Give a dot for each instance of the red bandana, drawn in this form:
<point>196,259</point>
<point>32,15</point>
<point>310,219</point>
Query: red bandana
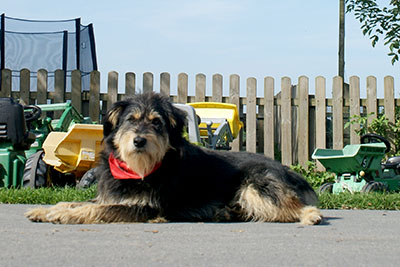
<point>120,170</point>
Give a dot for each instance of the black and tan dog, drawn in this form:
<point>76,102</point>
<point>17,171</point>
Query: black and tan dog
<point>149,173</point>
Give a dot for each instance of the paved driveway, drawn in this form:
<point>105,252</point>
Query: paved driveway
<point>347,238</point>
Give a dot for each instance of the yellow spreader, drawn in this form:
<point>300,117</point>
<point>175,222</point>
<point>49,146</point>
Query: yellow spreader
<point>220,123</point>
<point>75,151</point>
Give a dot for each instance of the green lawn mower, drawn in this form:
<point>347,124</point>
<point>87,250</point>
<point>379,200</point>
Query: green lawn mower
<point>23,129</point>
<point>359,168</point>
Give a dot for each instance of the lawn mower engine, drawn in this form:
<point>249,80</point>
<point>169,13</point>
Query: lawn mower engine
<point>14,140</point>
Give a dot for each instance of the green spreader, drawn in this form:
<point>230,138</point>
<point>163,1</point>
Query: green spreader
<point>359,168</point>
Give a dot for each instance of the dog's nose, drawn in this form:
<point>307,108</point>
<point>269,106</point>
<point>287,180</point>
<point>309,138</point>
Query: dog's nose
<point>139,142</point>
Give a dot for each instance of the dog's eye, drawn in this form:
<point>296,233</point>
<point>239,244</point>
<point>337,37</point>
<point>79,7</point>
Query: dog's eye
<point>156,121</point>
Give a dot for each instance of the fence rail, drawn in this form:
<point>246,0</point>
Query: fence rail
<point>287,126</point>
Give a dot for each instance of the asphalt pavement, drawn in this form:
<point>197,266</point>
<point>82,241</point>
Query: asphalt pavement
<point>346,238</point>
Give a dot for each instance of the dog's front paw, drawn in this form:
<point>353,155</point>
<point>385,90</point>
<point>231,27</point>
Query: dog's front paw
<point>310,216</point>
<point>37,214</point>
<point>63,216</point>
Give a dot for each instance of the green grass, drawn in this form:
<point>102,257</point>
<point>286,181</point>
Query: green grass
<point>378,201</point>
<point>373,201</point>
<point>51,195</point>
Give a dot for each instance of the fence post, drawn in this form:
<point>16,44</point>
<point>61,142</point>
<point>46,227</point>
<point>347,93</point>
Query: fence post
<point>165,83</point>
<point>5,83</point>
<point>200,94</point>
<point>269,121</point>
<point>25,86</point>
<point>354,108</point>
<point>389,98</point>
<point>217,88</point>
<point>234,98</point>
<point>112,94</point>
<point>59,86</point>
<point>42,86</point>
<point>251,115</point>
<point>337,110</point>
<point>147,82</point>
<point>286,121</point>
<point>94,96</point>
<point>130,84</point>
<point>372,103</point>
<point>303,117</point>
<point>76,90</point>
<point>182,88</point>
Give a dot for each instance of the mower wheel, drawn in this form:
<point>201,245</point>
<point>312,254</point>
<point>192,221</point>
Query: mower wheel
<point>374,187</point>
<point>326,188</point>
<point>88,179</point>
<point>36,171</point>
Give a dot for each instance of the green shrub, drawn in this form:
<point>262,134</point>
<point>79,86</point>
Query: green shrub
<point>380,126</point>
<point>314,177</point>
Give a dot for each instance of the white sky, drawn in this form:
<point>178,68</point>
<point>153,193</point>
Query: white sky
<point>246,37</point>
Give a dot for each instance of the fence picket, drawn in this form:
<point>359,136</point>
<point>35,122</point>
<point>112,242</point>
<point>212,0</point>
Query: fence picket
<point>320,115</point>
<point>303,124</point>
<point>389,98</point>
<point>130,84</point>
<point>200,93</point>
<point>286,121</point>
<point>42,86</point>
<point>165,83</point>
<point>217,88</point>
<point>5,83</point>
<point>234,98</point>
<point>182,88</point>
<point>94,96</point>
<point>112,94</point>
<point>354,108</point>
<point>337,110</point>
<point>76,90</point>
<point>25,86</point>
<point>148,82</point>
<point>372,103</point>
<point>251,115</point>
<point>59,86</point>
<point>269,117</point>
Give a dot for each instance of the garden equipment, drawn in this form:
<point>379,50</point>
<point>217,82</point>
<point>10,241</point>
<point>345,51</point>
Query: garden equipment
<point>23,130</point>
<point>359,167</point>
<point>220,123</point>
<point>75,151</point>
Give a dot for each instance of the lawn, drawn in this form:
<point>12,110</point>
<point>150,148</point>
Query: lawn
<point>379,201</point>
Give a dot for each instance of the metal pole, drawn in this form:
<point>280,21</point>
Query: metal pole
<point>341,37</point>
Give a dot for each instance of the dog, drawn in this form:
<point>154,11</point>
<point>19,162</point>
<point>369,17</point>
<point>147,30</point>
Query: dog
<point>148,172</point>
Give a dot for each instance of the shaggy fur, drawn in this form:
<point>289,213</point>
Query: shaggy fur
<point>192,184</point>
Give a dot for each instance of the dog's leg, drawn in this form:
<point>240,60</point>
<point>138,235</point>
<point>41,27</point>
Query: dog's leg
<point>93,213</point>
<point>40,214</point>
<point>277,206</point>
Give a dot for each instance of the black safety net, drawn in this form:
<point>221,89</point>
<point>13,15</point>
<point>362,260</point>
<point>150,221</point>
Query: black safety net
<point>49,45</point>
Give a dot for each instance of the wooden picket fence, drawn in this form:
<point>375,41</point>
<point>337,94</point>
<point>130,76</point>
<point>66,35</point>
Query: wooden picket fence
<point>287,126</point>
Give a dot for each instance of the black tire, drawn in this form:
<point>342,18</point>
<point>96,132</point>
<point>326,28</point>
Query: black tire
<point>326,188</point>
<point>88,179</point>
<point>374,187</point>
<point>36,171</point>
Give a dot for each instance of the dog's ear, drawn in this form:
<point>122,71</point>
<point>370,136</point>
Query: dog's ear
<point>111,119</point>
<point>177,121</point>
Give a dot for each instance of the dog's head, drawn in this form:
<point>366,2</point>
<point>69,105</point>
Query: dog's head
<point>141,129</point>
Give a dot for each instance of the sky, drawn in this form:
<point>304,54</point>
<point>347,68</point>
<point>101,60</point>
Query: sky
<point>251,38</point>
